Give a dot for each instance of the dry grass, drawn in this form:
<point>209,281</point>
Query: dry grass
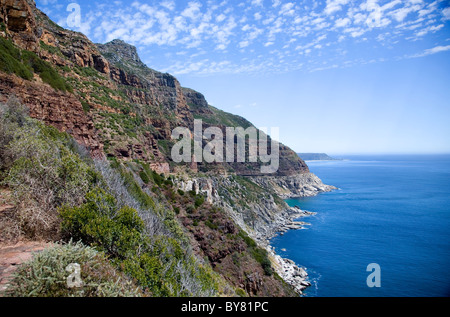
<point>10,231</point>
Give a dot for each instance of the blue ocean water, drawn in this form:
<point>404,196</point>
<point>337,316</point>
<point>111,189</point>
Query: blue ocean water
<point>389,210</point>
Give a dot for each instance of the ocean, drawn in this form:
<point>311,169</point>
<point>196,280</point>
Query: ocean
<point>390,210</point>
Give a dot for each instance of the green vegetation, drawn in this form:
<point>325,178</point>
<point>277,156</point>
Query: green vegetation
<point>47,73</point>
<point>62,194</point>
<point>222,118</point>
<point>152,261</point>
<point>46,276</point>
<point>23,63</point>
<point>135,189</point>
<point>259,254</point>
<point>44,168</point>
<point>86,106</point>
<point>9,62</point>
<point>50,49</point>
<point>87,72</point>
<point>199,200</point>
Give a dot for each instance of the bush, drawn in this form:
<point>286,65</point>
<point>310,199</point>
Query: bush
<point>259,254</point>
<point>46,276</point>
<point>199,200</point>
<point>86,106</point>
<point>190,209</point>
<point>100,223</point>
<point>159,264</point>
<point>45,172</point>
<point>13,116</point>
<point>158,179</point>
<point>23,63</point>
<point>144,177</point>
<point>47,73</point>
<point>10,60</point>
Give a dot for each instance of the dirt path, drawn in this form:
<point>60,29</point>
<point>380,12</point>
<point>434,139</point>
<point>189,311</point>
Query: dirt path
<point>12,254</point>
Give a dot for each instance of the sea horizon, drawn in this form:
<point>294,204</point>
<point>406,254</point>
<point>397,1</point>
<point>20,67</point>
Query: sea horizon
<point>391,210</point>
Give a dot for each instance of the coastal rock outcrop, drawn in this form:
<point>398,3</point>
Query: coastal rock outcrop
<point>299,185</point>
<point>120,108</point>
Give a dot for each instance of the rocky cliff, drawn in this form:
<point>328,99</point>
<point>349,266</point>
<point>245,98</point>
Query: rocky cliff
<point>127,109</point>
<point>117,107</point>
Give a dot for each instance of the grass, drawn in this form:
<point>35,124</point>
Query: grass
<point>9,62</point>
<point>47,73</point>
<point>51,49</point>
<point>24,63</point>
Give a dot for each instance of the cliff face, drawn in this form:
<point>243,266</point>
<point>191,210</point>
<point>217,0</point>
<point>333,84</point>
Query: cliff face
<point>302,185</point>
<point>117,107</point>
<point>28,28</point>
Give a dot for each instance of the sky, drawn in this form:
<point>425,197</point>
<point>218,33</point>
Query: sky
<point>335,76</point>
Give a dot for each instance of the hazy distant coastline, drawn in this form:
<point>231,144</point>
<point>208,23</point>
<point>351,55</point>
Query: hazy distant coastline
<point>316,157</point>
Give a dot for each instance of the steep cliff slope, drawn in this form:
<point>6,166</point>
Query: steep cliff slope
<point>110,102</point>
<point>115,102</point>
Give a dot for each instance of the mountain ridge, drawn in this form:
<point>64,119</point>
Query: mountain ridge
<point>116,107</point>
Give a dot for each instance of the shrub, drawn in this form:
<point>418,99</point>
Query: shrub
<point>86,106</point>
<point>47,73</point>
<point>10,60</point>
<point>45,170</point>
<point>50,49</point>
<point>46,276</point>
<point>144,177</point>
<point>199,200</point>
<point>100,223</point>
<point>259,254</point>
<point>23,63</point>
<point>158,179</point>
<point>159,264</point>
<point>13,116</point>
<point>211,225</point>
<point>190,209</point>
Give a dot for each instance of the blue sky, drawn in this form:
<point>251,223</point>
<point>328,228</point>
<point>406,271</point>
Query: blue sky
<point>335,76</point>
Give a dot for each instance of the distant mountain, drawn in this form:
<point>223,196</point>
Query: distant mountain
<point>316,157</point>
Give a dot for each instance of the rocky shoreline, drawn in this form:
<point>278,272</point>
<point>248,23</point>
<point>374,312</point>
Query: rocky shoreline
<point>272,220</point>
<point>287,269</point>
<point>298,186</point>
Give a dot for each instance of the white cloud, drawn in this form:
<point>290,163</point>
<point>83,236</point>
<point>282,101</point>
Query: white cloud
<point>168,4</point>
<point>263,29</point>
<point>221,17</point>
<point>401,13</point>
<point>286,9</point>
<point>192,11</point>
<point>446,13</point>
<point>334,6</point>
<point>257,3</point>
<point>276,3</point>
<point>432,28</point>
<point>342,22</point>
<point>434,50</point>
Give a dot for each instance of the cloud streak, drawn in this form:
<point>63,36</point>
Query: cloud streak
<point>249,36</point>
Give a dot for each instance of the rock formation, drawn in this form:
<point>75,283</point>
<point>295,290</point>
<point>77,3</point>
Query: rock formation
<point>119,108</point>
